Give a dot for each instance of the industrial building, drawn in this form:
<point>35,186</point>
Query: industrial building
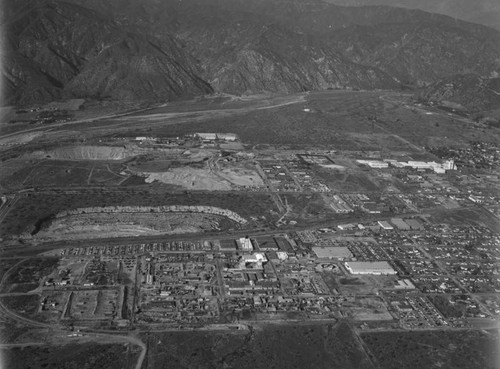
<point>400,224</point>
<point>385,225</point>
<point>253,261</point>
<point>340,253</point>
<point>374,163</point>
<point>244,244</point>
<point>370,267</point>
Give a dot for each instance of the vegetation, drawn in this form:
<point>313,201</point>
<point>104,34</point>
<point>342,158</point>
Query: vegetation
<point>434,349</point>
<point>284,346</point>
<point>72,356</point>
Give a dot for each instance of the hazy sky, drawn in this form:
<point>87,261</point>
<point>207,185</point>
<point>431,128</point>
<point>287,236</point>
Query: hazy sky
<point>486,12</point>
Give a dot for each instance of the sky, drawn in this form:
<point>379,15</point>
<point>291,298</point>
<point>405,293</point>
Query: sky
<point>485,12</point>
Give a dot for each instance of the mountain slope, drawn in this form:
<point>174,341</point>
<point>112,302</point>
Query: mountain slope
<point>148,49</point>
<point>470,92</point>
<point>59,49</point>
<point>485,12</point>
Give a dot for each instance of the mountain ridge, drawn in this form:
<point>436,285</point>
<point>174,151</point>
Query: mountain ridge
<point>146,49</point>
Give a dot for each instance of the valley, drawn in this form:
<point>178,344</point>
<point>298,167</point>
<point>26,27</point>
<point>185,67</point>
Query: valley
<point>325,229</point>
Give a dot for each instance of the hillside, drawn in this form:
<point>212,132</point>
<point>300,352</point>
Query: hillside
<point>469,92</point>
<point>486,12</point>
<point>126,49</point>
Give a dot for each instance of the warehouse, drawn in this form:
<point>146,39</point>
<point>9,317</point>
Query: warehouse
<point>369,267</point>
<point>332,252</point>
<point>400,224</point>
<point>385,225</point>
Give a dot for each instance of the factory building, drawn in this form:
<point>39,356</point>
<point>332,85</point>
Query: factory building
<point>369,267</point>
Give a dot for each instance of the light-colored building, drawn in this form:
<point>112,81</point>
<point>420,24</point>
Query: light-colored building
<point>253,261</point>
<point>227,136</point>
<point>207,136</point>
<point>385,225</point>
<point>370,267</point>
<point>340,253</point>
<point>374,163</point>
<point>245,244</point>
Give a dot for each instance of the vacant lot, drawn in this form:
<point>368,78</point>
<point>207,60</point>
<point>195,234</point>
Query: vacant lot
<point>270,347</point>
<point>84,355</point>
<point>434,349</point>
<point>27,275</point>
<point>26,305</point>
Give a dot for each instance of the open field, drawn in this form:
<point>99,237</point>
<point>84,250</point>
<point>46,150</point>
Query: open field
<point>58,173</point>
<point>26,305</point>
<point>28,275</point>
<point>280,346</point>
<point>434,349</point>
<point>476,215</point>
<point>81,355</point>
<point>337,119</point>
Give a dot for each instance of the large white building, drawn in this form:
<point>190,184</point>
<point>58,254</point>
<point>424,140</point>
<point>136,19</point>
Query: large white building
<point>369,267</point>
<point>245,244</point>
<point>374,163</point>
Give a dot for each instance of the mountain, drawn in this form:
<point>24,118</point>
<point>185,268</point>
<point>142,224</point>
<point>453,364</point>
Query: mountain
<point>150,49</point>
<point>485,12</point>
<point>465,92</point>
<point>56,49</point>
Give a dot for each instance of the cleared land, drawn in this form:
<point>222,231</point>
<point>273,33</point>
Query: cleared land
<point>34,209</point>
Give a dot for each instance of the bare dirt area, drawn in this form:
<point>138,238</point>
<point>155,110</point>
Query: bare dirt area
<point>87,153</point>
<point>130,224</point>
<point>34,209</point>
<point>207,178</point>
<point>190,178</point>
